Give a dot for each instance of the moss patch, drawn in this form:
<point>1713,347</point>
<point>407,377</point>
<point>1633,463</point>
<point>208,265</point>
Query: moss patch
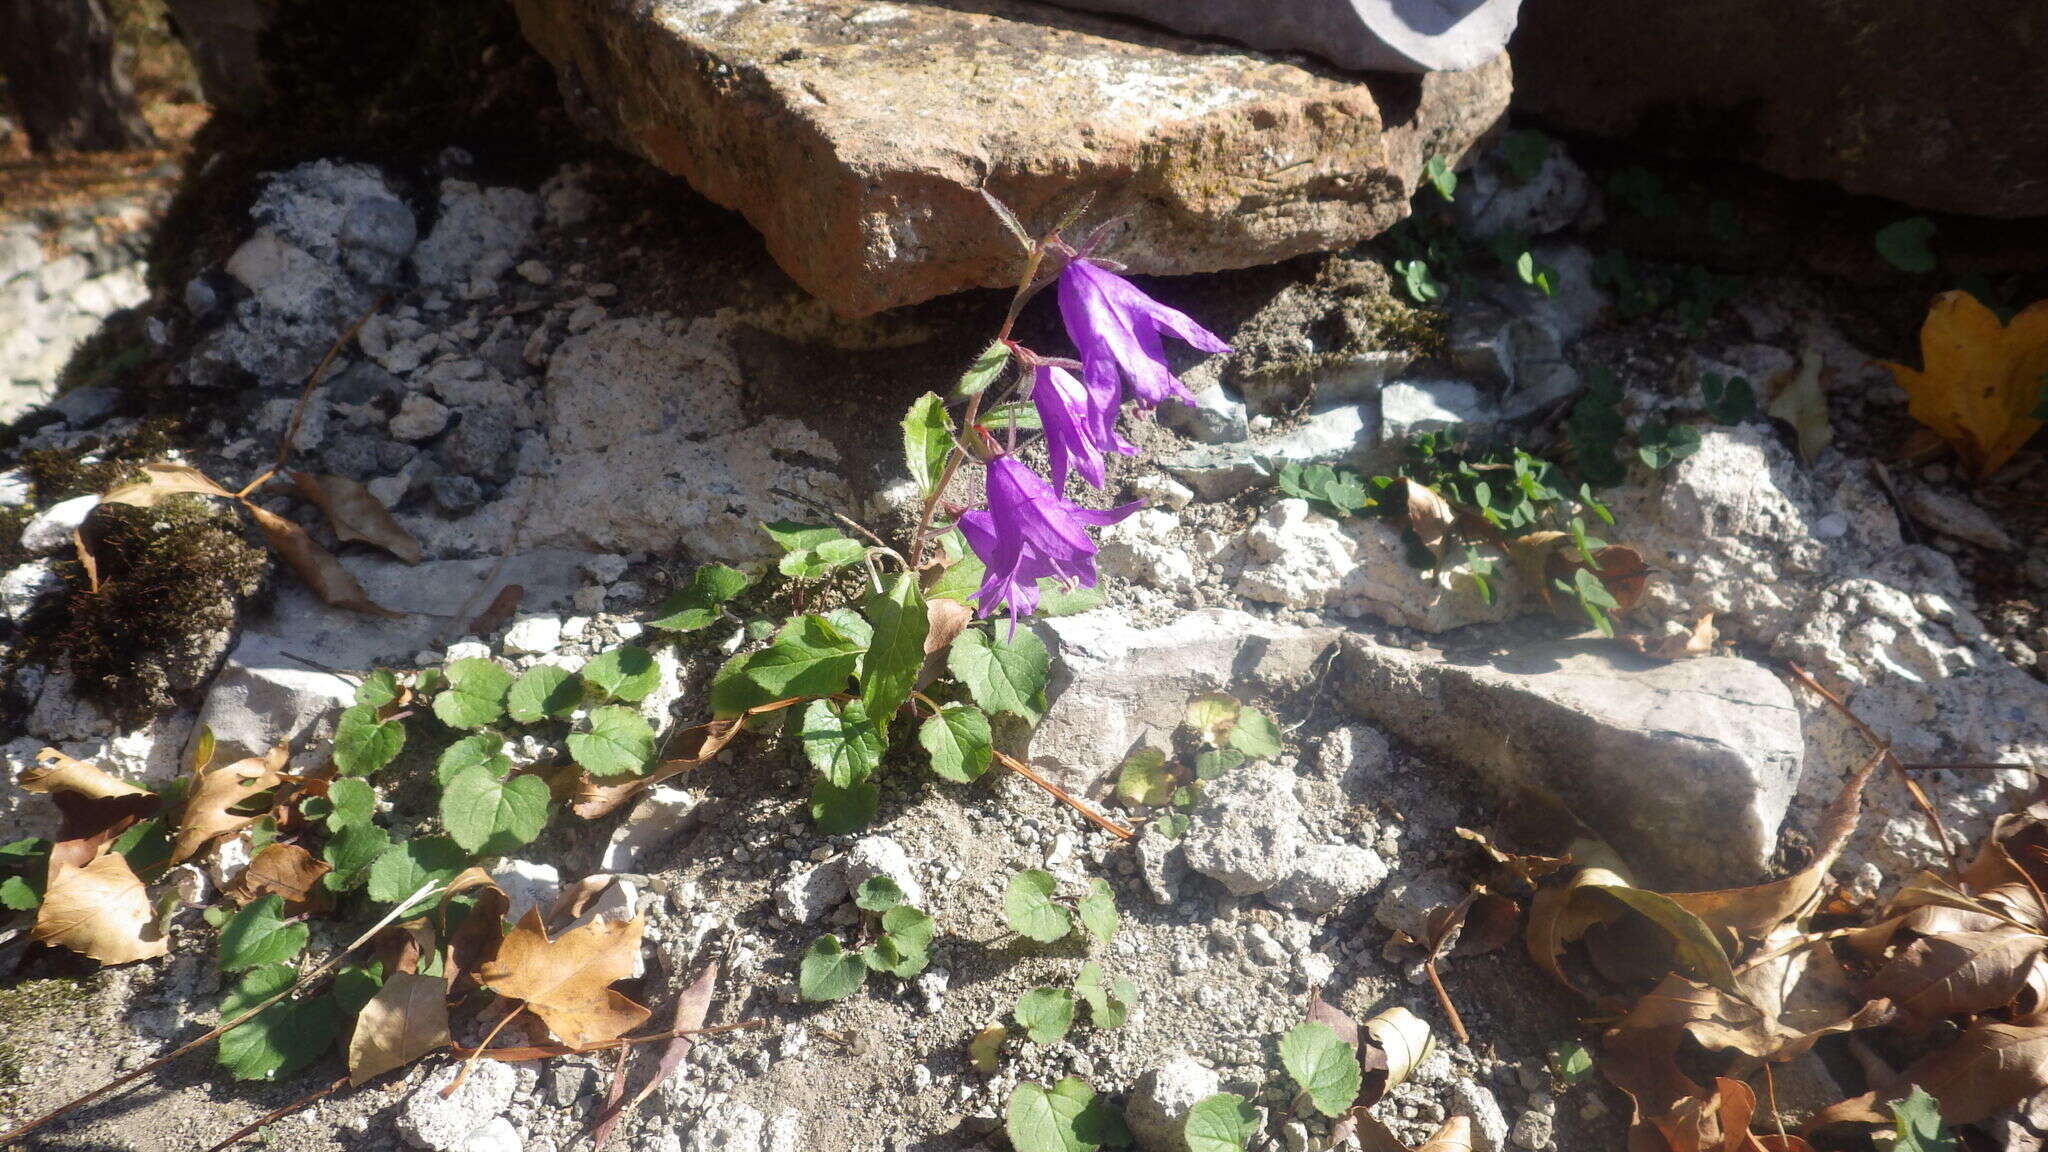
<point>95,464</point>
<point>171,581</point>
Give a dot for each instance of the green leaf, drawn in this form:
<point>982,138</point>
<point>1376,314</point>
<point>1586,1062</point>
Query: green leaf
<point>1571,1062</point>
<point>408,864</point>
<point>828,972</point>
<point>959,742</point>
<point>1438,173</point>
<point>355,985</point>
<point>1255,735</point>
<point>1143,780</point>
<point>1903,244</point>
<point>810,657</point>
<point>17,894</point>
<point>1046,1014</point>
<point>1210,765</point>
<point>481,748</point>
<point>363,743</point>
<point>256,936</point>
<point>1109,1005</point>
<point>1730,401</point>
<point>378,688</point>
<point>1029,910</point>
<point>1416,277</point>
<point>1323,1067</point>
<point>1524,152</point>
<point>350,802</point>
<point>1224,1122</point>
<point>888,669</point>
<point>1659,445</point>
<point>491,815</point>
<point>1920,1127</point>
<point>841,742</point>
<point>878,894</point>
<point>625,673</point>
<point>813,550</point>
<point>1067,1117</point>
<point>697,605</point>
<point>960,579</point>
<point>543,692</point>
<point>475,695</point>
<point>928,439</point>
<point>984,371</point>
<point>838,811</point>
<point>1335,492</point>
<point>905,947</point>
<point>1098,910</point>
<point>281,1039</point>
<point>619,743</point>
<point>791,536</point>
<point>146,843</point>
<point>351,852</point>
<point>1003,675</point>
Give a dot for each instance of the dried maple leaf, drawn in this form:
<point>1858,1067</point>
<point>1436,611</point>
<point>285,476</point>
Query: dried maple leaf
<point>91,800</point>
<point>405,1020</point>
<point>567,981</point>
<point>209,812</point>
<point>99,909</point>
<point>356,515</point>
<point>1982,381</point>
<point>286,869</point>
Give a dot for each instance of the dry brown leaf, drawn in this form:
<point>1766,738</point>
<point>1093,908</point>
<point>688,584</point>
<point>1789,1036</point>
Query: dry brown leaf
<point>1803,403</point>
<point>1981,383</point>
<point>1544,558</point>
<point>1938,976</point>
<point>208,812</point>
<point>100,910</point>
<point>286,869</point>
<point>314,564</point>
<point>567,981</point>
<point>161,481</point>
<point>91,800</point>
<point>1404,1039</point>
<point>498,611</point>
<point>1429,516</point>
<point>944,620</point>
<point>1990,1067</point>
<point>356,515</point>
<point>405,1020</point>
<point>694,746</point>
<point>1695,642</point>
<point>1337,1020</point>
<point>1454,1135</point>
<point>691,1009</point>
<point>1559,915</point>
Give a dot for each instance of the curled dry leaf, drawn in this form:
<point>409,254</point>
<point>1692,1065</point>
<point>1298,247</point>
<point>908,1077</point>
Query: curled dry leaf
<point>315,565</point>
<point>1938,976</point>
<point>91,800</point>
<point>567,981</point>
<point>405,1020</point>
<point>1560,915</point>
<point>1980,387</point>
<point>1429,516</point>
<point>353,514</point>
<point>986,1048</point>
<point>1803,403</point>
<point>1405,1039</point>
<point>1454,1135</point>
<point>160,481</point>
<point>100,909</point>
<point>286,869</point>
<point>209,812</point>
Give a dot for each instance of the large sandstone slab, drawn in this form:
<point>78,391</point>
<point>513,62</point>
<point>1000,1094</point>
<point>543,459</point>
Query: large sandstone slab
<point>855,134</point>
<point>1685,768</point>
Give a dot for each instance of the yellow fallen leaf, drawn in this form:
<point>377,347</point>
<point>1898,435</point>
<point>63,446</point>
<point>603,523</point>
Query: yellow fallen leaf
<point>1982,381</point>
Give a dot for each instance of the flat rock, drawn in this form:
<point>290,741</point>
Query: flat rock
<point>1685,768</point>
<point>1299,558</point>
<point>857,135</point>
<point>1375,35</point>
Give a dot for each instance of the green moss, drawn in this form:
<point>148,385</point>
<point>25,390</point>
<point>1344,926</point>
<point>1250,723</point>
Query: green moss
<point>118,354</point>
<point>95,464</point>
<point>171,581</point>
<point>12,521</point>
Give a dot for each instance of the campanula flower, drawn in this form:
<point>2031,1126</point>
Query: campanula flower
<point>1080,425</point>
<point>1028,532</point>
<point>1117,329</point>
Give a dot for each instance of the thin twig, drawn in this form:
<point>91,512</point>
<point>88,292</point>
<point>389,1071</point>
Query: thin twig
<point>1443,1000</point>
<point>1880,744</point>
<point>291,430</point>
<point>297,985</point>
<point>271,1117</point>
<point>1063,796</point>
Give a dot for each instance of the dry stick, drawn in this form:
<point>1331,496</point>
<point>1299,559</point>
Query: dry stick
<point>253,1126</point>
<point>297,985</point>
<point>470,1062</point>
<point>546,1051</point>
<point>1443,1000</point>
<point>291,430</point>
<point>1063,796</point>
<point>1880,744</point>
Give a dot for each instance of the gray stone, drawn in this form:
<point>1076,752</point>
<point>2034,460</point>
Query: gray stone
<point>1367,35</point>
<point>1492,200</point>
<point>1407,902</point>
<point>476,230</point>
<point>85,407</point>
<point>429,1122</point>
<point>567,1083</point>
<point>22,588</point>
<point>1411,407</point>
<point>1161,864</point>
<point>1157,1111</point>
<point>1248,835</point>
<point>1299,558</point>
<point>480,444</point>
<point>420,417</point>
<point>494,1135</point>
<point>50,530</point>
<point>362,382</point>
<point>898,116</point>
<point>653,822</point>
<point>1216,417</point>
<point>811,892</point>
<point>1953,514</point>
<point>1218,472</point>
<point>1474,1100</point>
<point>14,488</point>
<point>1535,1127</point>
<point>526,885</point>
<point>872,856</point>
<point>1355,757</point>
<point>1646,753</point>
<point>456,495</point>
<point>1115,685</point>
<point>1326,876</point>
<point>533,635</point>
<point>377,234</point>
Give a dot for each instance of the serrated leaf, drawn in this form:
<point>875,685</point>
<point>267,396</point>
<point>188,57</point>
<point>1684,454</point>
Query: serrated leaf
<point>491,815</point>
<point>1046,1014</point>
<point>1255,735</point>
<point>256,936</point>
<point>1067,1117</point>
<point>905,947</point>
<point>878,894</point>
<point>1098,910</point>
<point>838,811</point>
<point>1210,765</point>
<point>479,748</point>
<point>543,692</point>
<point>350,802</point>
<point>1212,715</point>
<point>986,1047</point>
<point>1029,910</point>
<point>959,742</point>
<point>697,605</point>
<point>1109,1003</point>
<point>378,688</point>
<point>810,657</point>
<point>828,972</point>
<point>1224,1122</point>
<point>475,695</point>
<point>626,673</point>
<point>1143,779</point>
<point>351,853</point>
<point>281,1039</point>
<point>895,652</point>
<point>820,551</point>
<point>1003,675</point>
<point>986,368</point>
<point>841,742</point>
<point>363,743</point>
<point>619,743</point>
<point>927,440</point>
<point>408,864</point>
<point>1056,599</point>
<point>1323,1067</point>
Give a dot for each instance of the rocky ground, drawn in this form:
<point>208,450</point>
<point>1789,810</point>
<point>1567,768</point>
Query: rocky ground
<point>589,384</point>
